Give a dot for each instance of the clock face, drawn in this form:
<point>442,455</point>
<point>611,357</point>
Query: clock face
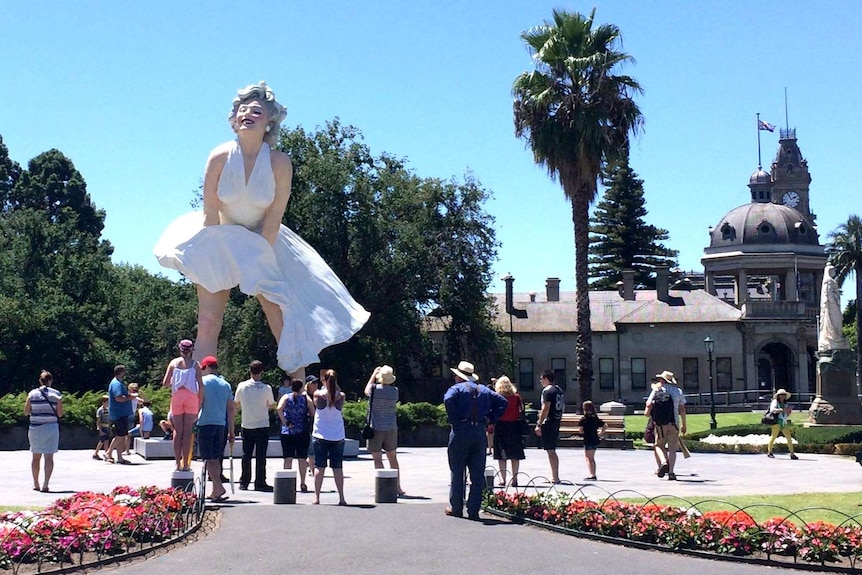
<point>790,199</point>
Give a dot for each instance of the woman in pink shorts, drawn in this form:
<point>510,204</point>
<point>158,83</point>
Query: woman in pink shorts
<point>183,376</point>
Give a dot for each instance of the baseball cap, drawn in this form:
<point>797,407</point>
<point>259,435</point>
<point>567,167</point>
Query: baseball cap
<point>311,379</point>
<point>208,361</point>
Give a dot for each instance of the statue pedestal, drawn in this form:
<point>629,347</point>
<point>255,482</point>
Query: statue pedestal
<point>836,402</point>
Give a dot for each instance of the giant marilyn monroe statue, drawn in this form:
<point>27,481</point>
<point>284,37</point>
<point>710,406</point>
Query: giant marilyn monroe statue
<point>239,240</point>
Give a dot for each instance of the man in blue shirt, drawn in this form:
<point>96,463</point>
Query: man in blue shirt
<point>469,408</point>
<point>119,410</point>
<point>217,416</point>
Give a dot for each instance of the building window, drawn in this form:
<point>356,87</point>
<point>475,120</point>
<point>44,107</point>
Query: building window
<point>606,373</point>
<point>723,374</point>
<point>526,375</point>
<point>639,378</point>
<point>690,380</point>
<point>558,366</point>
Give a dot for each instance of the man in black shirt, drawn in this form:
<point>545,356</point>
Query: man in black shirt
<point>548,428</point>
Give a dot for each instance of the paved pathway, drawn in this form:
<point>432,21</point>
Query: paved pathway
<point>414,535</point>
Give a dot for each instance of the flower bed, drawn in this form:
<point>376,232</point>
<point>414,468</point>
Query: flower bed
<point>719,533</point>
<point>89,527</point>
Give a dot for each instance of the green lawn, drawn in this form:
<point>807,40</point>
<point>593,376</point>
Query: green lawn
<point>700,421</point>
<point>764,507</point>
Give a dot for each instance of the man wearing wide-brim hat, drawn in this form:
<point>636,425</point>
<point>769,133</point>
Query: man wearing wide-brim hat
<point>666,432</point>
<point>469,407</point>
<point>781,409</point>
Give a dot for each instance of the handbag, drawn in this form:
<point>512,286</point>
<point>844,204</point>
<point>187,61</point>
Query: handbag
<point>368,431</point>
<point>769,418</point>
<point>523,426</point>
<point>649,431</point>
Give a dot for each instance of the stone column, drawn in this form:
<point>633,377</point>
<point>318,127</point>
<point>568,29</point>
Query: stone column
<point>741,287</point>
<point>790,293</point>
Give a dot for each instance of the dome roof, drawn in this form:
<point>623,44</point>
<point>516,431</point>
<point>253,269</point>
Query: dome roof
<point>763,223</point>
<point>760,177</point>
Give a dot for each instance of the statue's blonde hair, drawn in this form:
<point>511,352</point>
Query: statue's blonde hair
<point>275,112</point>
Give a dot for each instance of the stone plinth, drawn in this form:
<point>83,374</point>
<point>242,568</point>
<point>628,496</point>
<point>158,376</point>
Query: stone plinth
<point>837,402</point>
<point>164,449</point>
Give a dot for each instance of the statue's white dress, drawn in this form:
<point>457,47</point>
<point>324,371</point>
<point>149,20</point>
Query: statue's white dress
<point>318,310</point>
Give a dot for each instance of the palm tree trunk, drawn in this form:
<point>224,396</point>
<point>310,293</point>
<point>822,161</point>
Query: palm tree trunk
<point>858,273</point>
<point>584,349</point>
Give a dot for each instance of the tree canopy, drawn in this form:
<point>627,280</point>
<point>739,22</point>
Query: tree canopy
<point>621,239</point>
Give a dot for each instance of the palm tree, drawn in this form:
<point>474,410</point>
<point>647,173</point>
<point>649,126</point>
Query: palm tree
<point>576,115</point>
<point>845,253</point>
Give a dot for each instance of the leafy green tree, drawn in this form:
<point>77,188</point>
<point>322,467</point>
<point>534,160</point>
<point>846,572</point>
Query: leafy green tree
<point>402,245</point>
<point>845,253</point>
<point>576,114</point>
<point>620,238</point>
<point>54,278</point>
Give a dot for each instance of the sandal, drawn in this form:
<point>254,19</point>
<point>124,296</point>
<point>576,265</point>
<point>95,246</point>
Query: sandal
<point>109,460</point>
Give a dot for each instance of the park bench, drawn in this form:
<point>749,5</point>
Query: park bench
<point>614,435</point>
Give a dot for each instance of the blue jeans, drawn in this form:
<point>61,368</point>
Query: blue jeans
<point>467,452</point>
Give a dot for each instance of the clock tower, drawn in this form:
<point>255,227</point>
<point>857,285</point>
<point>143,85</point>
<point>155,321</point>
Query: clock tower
<point>790,177</point>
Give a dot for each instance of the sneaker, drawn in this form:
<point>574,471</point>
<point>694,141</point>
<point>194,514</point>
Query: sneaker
<point>671,476</point>
<point>793,456</point>
<point>243,486</point>
<point>662,471</point>
<point>770,456</point>
<point>263,487</point>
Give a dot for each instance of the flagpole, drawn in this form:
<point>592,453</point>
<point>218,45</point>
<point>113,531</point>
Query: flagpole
<point>759,165</point>
<point>786,121</point>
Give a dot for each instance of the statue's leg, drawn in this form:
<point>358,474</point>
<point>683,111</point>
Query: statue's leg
<point>275,319</point>
<point>211,308</point>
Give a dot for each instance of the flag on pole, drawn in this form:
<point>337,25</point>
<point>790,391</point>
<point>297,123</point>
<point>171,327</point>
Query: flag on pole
<point>761,125</point>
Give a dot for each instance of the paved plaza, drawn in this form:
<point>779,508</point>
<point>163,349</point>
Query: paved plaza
<point>256,536</point>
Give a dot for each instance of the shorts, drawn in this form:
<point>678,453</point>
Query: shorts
<point>328,450</point>
<point>104,434</point>
<point>590,446</point>
<point>294,446</point>
<point>211,441</point>
<point>120,427</point>
<point>183,402</point>
<point>44,438</point>
<point>550,434</point>
<point>386,440</point>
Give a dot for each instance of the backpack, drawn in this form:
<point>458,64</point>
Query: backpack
<point>662,408</point>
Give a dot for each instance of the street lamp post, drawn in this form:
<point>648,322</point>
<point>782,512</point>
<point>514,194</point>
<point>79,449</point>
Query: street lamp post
<point>709,343</point>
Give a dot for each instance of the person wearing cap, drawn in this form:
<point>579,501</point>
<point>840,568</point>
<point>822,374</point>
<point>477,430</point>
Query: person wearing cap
<point>667,436</point>
<point>183,376</point>
<point>469,408</point>
<point>215,423</point>
<point>550,417</point>
<point>254,400</point>
<point>119,410</point>
<point>781,409</point>
<point>384,397</point>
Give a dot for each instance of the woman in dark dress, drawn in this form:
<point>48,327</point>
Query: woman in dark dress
<point>508,441</point>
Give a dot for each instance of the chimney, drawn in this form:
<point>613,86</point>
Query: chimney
<point>661,282</point>
<point>532,297</point>
<point>552,289</point>
<point>628,291</point>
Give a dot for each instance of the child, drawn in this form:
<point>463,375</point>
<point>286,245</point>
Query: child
<point>591,428</point>
<point>103,426</point>
<point>167,427</point>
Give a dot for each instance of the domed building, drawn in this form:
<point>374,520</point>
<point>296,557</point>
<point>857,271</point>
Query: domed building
<point>765,258</point>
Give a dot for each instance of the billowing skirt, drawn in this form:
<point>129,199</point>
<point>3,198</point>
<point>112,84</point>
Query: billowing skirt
<point>318,310</point>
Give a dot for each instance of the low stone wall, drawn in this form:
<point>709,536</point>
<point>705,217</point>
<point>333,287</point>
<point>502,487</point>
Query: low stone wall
<point>15,438</point>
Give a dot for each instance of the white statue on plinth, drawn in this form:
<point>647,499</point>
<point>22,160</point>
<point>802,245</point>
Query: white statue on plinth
<point>830,337</point>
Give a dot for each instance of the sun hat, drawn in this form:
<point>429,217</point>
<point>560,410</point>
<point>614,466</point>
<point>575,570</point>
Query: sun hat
<point>186,345</point>
<point>667,376</point>
<point>465,371</point>
<point>385,375</point>
<point>208,361</point>
<point>783,392</point>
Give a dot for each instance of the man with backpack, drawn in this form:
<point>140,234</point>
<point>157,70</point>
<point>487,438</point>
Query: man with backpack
<point>666,406</point>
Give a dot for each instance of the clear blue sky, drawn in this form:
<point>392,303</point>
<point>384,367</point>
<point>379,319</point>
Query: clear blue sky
<point>137,94</point>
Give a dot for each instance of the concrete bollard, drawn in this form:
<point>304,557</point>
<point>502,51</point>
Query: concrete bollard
<point>284,488</point>
<point>386,485</point>
<point>182,479</point>
<point>490,474</point>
